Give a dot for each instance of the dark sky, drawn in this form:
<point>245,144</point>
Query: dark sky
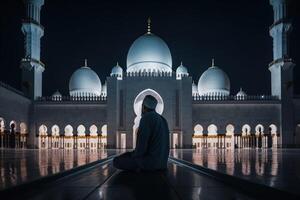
<point>234,32</point>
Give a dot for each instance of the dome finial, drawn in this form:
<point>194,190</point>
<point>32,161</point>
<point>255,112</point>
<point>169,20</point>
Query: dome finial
<point>213,62</point>
<point>149,26</point>
<point>85,63</point>
<point>117,63</point>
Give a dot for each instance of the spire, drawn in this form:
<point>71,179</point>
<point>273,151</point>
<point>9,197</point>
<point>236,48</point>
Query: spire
<point>181,63</point>
<point>213,62</point>
<point>149,26</point>
<point>118,64</point>
<point>85,63</point>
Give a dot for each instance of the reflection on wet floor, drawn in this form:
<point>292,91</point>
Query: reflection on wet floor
<point>19,165</point>
<point>277,168</point>
<point>175,183</point>
<point>105,182</point>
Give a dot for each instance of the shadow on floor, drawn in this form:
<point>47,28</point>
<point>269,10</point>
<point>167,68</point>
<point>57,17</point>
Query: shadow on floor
<point>136,185</point>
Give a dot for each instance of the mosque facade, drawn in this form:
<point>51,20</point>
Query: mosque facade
<point>105,114</point>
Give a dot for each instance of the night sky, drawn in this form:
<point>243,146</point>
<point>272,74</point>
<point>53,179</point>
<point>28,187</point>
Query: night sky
<point>234,32</point>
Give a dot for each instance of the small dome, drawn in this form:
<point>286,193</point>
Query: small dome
<point>56,94</point>
<point>85,82</point>
<point>241,93</point>
<point>149,53</point>
<point>194,89</point>
<point>117,71</point>
<point>181,71</point>
<point>214,82</point>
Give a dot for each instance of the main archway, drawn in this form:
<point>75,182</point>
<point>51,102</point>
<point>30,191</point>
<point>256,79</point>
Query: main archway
<point>137,106</point>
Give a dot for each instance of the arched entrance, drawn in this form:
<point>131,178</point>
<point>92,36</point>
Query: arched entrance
<point>55,137</point>
<point>272,136</point>
<point>43,137</point>
<point>198,139</point>
<point>259,132</point>
<point>137,106</point>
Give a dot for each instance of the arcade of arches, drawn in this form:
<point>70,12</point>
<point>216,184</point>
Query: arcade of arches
<point>259,138</point>
<point>13,134</point>
<point>85,138</point>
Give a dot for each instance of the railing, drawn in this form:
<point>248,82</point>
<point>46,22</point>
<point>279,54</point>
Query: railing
<point>11,88</point>
<point>235,98</point>
<point>279,60</point>
<point>150,74</point>
<point>28,59</point>
<point>73,98</point>
<point>154,74</point>
<point>34,22</point>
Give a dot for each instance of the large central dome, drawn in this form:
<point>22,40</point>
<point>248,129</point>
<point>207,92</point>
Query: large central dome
<point>149,53</point>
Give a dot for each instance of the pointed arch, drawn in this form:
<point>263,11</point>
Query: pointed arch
<point>230,129</point>
<point>246,129</point>
<point>212,129</point>
<point>81,130</point>
<point>259,129</point>
<point>13,125</point>
<point>55,130</point>
<point>2,125</point>
<point>43,130</point>
<point>198,129</point>
<point>68,130</point>
<point>137,104</point>
<point>23,128</point>
<point>93,130</point>
<point>273,129</point>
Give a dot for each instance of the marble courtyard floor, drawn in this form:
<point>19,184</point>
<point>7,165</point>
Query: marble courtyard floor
<point>23,165</point>
<point>278,168</point>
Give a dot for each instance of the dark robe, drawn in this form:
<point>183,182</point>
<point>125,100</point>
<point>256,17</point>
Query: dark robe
<point>152,146</point>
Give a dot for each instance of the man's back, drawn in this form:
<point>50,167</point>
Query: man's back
<point>152,147</point>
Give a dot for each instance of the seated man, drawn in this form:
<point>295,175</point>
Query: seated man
<point>152,145</point>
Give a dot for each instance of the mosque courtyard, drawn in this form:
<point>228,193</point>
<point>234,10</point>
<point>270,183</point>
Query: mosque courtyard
<point>81,174</point>
<point>232,126</point>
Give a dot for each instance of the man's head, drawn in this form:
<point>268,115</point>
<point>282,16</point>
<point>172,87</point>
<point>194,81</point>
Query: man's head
<point>149,104</point>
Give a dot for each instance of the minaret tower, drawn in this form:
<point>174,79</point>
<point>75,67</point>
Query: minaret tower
<point>32,67</point>
<point>282,71</point>
<point>281,67</point>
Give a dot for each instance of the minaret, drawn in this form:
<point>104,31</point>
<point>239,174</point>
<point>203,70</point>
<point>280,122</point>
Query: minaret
<point>282,71</point>
<point>281,67</point>
<point>32,67</point>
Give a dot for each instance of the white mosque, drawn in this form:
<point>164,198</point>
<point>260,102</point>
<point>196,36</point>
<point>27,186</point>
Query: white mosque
<point>105,114</point>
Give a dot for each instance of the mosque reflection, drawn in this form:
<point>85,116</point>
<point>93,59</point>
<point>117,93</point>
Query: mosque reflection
<point>246,162</point>
<point>18,166</point>
<point>273,167</point>
<point>278,168</point>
